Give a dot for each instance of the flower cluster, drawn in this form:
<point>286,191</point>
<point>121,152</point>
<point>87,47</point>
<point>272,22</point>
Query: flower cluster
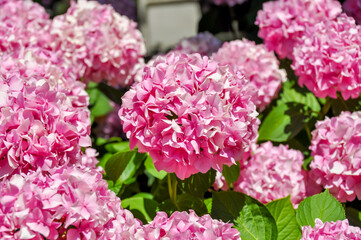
<point>273,173</point>
<point>124,7</point>
<point>41,123</point>
<point>190,114</point>
<point>257,64</point>
<point>203,43</point>
<point>331,231</point>
<point>336,151</point>
<point>328,59</point>
<point>183,225</point>
<point>230,3</point>
<point>70,203</point>
<point>23,23</point>
<point>98,43</point>
<point>283,22</point>
<point>353,8</point>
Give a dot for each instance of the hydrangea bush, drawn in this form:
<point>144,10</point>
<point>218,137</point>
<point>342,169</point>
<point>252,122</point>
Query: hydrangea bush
<point>207,141</point>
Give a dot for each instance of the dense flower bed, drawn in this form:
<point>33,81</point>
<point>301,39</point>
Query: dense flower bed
<point>95,144</point>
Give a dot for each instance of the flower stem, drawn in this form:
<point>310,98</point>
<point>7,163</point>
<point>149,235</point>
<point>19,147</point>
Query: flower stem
<point>324,109</point>
<point>172,188</point>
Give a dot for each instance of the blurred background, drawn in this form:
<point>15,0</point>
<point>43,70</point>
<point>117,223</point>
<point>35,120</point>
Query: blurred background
<point>165,22</point>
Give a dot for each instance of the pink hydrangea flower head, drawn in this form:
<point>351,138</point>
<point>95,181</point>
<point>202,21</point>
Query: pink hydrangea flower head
<point>190,114</point>
<point>69,203</point>
<point>99,43</point>
<point>336,151</point>
<point>23,23</point>
<point>124,7</point>
<point>183,225</point>
<point>353,9</point>
<point>272,173</point>
<point>282,22</point>
<point>328,57</point>
<point>40,126</point>
<point>257,64</point>
<point>331,231</point>
<point>230,3</point>
<point>203,43</point>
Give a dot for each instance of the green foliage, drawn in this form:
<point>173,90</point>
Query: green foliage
<point>142,206</point>
<point>231,173</point>
<point>198,184</point>
<point>323,206</point>
<point>149,166</point>
<point>295,110</point>
<point>99,104</point>
<point>184,202</point>
<point>250,217</point>
<point>285,217</point>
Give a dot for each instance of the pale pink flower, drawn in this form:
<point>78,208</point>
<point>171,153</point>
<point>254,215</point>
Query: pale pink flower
<point>40,124</point>
<point>98,43</point>
<point>353,9</point>
<point>327,58</point>
<point>203,43</point>
<point>190,114</point>
<point>339,230</point>
<point>230,3</point>
<point>257,64</point>
<point>23,23</point>
<point>282,22</point>
<point>183,225</point>
<point>69,203</point>
<point>272,173</point>
<point>336,151</point>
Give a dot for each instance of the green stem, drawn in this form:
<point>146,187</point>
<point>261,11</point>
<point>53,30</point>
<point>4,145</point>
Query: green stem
<point>308,131</point>
<point>325,109</point>
<point>340,98</point>
<point>172,188</point>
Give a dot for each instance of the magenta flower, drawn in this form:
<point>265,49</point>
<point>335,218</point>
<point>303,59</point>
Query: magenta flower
<point>190,115</point>
<point>328,57</point>
<point>257,64</point>
<point>41,123</point>
<point>183,225</point>
<point>69,203</point>
<point>353,9</point>
<point>272,173</point>
<point>331,231</point>
<point>230,3</point>
<point>336,151</point>
<point>282,22</point>
<point>203,43</point>
<point>98,43</point>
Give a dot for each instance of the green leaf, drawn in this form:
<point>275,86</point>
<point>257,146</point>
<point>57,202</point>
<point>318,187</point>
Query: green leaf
<point>113,94</point>
<point>118,147</point>
<point>132,167</point>
<point>284,122</point>
<point>149,166</point>
<point>354,216</point>
<point>208,203</point>
<point>98,103</point>
<point>143,208</point>
<point>323,206</point>
<point>184,203</point>
<point>251,218</point>
<point>118,163</point>
<point>231,174</point>
<point>285,216</point>
<point>294,93</point>
<point>199,183</point>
